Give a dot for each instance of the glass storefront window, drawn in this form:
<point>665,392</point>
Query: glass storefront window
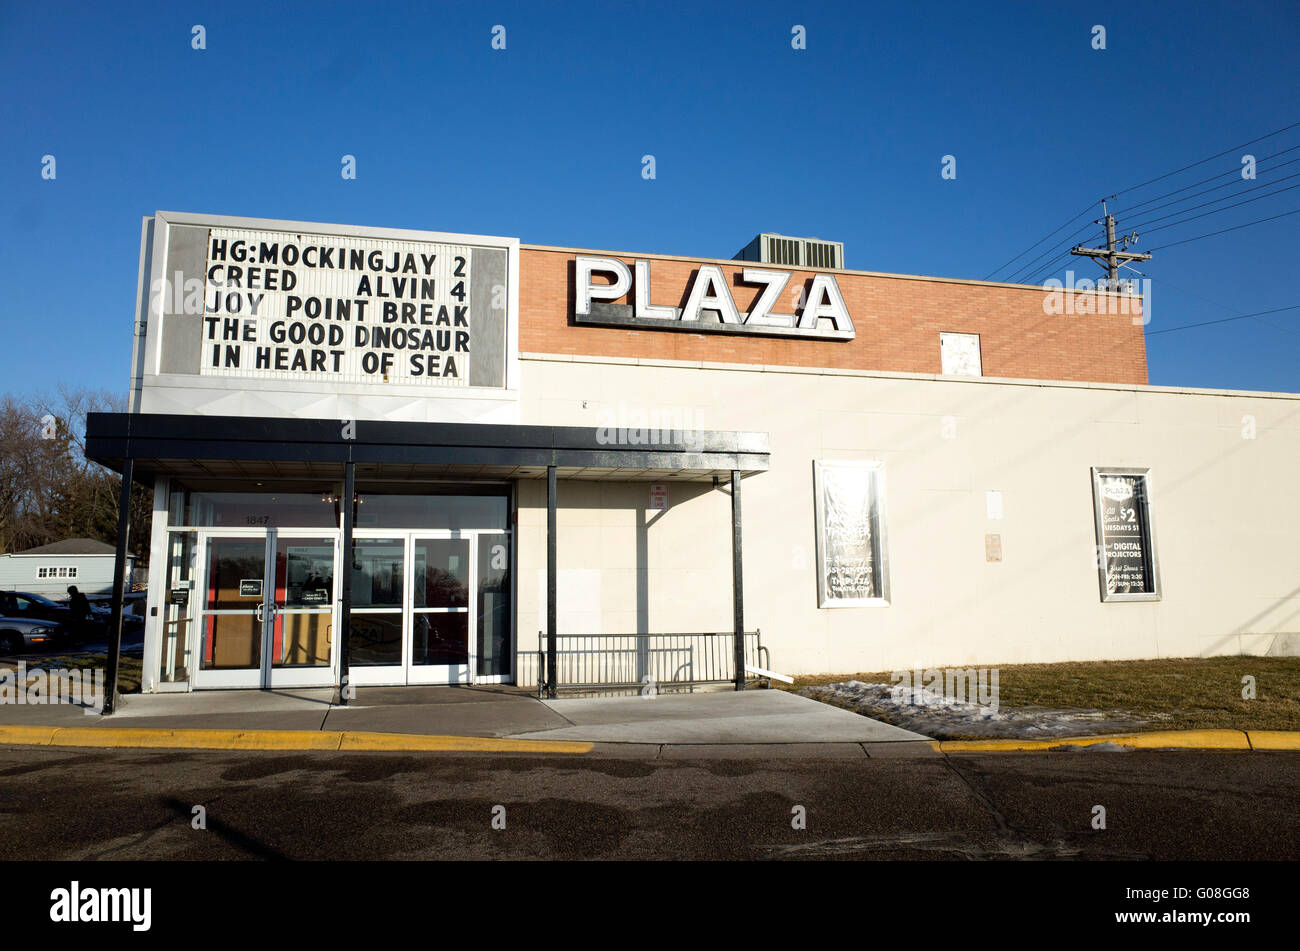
<point>449,542</point>
<point>177,608</point>
<point>493,605</point>
<point>440,620</point>
<point>377,588</point>
<point>233,603</point>
<point>303,633</point>
<point>247,504</point>
<point>441,572</point>
<point>383,510</point>
<point>376,639</point>
<point>256,508</point>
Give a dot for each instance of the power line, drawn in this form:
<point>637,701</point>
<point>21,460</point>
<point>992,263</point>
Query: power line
<point>1033,267</point>
<point>1204,160</point>
<point>1205,214</point>
<point>1206,204</point>
<point>1046,269</point>
<point>1165,282</point>
<point>1224,320</point>
<point>1032,276</point>
<point>1231,171</point>
<point>1258,221</point>
<point>1055,249</point>
<point>1027,272</point>
<point>1041,240</point>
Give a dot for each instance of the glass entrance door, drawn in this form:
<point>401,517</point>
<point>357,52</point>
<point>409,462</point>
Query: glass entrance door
<point>267,609</point>
<point>440,613</point>
<point>376,650</point>
<point>233,611</point>
<point>301,624</point>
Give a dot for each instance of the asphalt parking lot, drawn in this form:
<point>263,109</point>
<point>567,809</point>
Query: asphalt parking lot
<point>125,804</point>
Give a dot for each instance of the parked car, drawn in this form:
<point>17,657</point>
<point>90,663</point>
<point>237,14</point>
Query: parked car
<point>21,636</point>
<point>133,608</point>
<point>33,607</point>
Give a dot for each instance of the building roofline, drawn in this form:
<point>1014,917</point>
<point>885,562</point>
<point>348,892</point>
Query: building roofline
<point>66,554</point>
<point>647,255</point>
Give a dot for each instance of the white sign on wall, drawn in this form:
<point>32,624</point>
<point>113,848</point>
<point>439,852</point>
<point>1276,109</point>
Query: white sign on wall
<point>710,305</point>
<point>352,309</point>
<point>658,497</point>
<point>960,354</point>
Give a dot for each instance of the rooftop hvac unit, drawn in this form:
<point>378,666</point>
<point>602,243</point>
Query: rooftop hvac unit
<point>793,252</point>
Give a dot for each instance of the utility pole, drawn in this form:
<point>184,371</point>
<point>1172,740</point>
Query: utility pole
<point>1114,259</point>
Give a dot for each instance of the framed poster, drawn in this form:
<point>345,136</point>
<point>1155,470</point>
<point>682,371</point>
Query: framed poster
<point>1127,568</point>
<point>852,545</point>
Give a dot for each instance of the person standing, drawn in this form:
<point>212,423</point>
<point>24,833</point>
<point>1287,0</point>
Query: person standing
<point>80,608</point>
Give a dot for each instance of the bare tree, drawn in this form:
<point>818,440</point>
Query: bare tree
<point>49,490</point>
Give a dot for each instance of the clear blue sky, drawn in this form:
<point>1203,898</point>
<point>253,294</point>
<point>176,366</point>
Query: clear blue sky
<point>544,142</point>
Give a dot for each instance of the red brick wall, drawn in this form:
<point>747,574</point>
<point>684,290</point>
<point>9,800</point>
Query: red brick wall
<point>897,321</point>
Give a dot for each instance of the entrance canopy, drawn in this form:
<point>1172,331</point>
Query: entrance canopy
<point>144,446</point>
<point>234,446</point>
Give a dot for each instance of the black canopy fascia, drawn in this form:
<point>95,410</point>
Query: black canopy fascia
<point>174,444</point>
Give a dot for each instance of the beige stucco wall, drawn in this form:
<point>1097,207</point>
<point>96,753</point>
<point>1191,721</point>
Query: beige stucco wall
<point>1225,509</point>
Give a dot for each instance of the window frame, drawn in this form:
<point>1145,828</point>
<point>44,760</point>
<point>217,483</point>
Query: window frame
<point>979,353</point>
<point>1147,520</point>
<point>880,533</point>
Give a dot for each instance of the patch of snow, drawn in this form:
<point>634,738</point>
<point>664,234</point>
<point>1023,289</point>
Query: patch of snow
<point>943,717</point>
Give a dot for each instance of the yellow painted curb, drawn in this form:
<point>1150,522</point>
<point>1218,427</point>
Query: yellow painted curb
<point>1274,739</point>
<point>132,738</point>
<point>461,744</point>
<point>27,735</point>
<point>1158,740</point>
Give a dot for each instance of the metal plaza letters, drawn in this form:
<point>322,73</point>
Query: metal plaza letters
<point>710,305</point>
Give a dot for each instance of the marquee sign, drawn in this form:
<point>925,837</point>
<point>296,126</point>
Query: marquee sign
<point>262,317</point>
<point>710,306</point>
<point>335,307</point>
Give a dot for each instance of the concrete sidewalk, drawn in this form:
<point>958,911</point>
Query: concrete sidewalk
<point>760,721</point>
<point>724,718</point>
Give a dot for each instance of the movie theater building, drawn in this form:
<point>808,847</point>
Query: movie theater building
<point>406,457</point>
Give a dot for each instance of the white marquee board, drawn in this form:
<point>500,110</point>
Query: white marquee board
<point>249,316</point>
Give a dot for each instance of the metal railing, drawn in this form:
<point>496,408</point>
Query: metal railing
<point>593,661</point>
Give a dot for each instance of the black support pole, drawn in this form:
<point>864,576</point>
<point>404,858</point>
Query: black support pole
<point>349,508</point>
<point>119,582</point>
<point>551,492</point>
<point>737,581</point>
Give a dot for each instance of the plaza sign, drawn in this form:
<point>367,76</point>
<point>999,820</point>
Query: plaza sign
<point>710,306</point>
